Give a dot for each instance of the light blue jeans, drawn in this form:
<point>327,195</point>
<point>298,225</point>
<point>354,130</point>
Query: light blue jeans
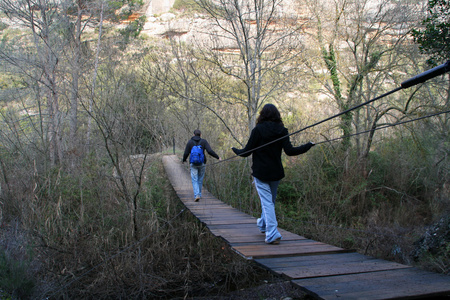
<point>197,175</point>
<point>267,191</point>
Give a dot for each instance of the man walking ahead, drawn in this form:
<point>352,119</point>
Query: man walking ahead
<point>195,148</point>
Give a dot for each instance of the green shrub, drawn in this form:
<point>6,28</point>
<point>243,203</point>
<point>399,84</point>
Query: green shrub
<point>187,5</point>
<point>289,192</point>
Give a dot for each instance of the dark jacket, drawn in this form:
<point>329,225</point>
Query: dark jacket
<point>205,146</point>
<point>267,164</point>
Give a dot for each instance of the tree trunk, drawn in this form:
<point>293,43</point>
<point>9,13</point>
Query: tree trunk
<point>94,79</point>
<point>73,113</point>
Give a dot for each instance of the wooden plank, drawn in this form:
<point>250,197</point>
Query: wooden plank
<point>243,227</point>
<point>224,215</point>
<point>328,265</point>
<point>391,284</point>
<point>211,217</point>
<point>221,213</point>
<point>213,221</point>
<point>249,238</point>
<point>235,236</point>
<point>230,218</point>
<point>332,268</point>
<point>242,238</point>
<point>286,248</point>
<point>203,203</point>
<point>247,233</point>
<point>196,206</point>
<point>239,239</point>
<point>312,259</point>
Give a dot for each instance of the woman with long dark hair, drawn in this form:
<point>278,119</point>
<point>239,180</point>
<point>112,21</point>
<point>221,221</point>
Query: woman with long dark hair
<point>267,169</point>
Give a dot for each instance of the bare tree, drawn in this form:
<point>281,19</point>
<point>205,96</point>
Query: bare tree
<point>54,53</point>
<point>127,128</point>
<point>255,42</point>
<point>38,17</point>
<point>244,54</point>
<point>363,45</point>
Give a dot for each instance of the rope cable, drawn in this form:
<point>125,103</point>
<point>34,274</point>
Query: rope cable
<point>384,126</point>
<point>422,77</point>
<point>342,137</point>
<point>317,123</point>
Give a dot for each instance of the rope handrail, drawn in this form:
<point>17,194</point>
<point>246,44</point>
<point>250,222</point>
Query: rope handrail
<point>384,127</point>
<point>422,77</point>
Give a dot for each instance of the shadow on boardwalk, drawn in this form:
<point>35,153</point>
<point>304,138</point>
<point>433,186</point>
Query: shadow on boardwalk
<point>323,271</point>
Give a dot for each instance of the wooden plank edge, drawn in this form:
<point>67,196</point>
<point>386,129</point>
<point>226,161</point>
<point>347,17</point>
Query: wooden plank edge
<point>255,257</point>
<point>418,292</point>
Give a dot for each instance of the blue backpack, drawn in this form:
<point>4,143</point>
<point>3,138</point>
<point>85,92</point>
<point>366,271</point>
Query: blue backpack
<point>197,157</point>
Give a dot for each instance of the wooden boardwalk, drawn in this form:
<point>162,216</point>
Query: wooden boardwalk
<point>324,271</point>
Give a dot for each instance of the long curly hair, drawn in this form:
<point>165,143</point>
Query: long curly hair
<point>269,113</point>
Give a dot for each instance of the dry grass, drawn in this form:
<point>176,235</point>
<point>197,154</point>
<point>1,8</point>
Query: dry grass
<point>83,244</point>
<point>85,234</point>
<point>381,214</point>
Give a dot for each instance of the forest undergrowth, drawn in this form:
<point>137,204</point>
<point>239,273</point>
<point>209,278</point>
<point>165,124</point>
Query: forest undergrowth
<point>93,92</point>
<point>396,208</point>
<point>81,245</point>
<point>82,234</point>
